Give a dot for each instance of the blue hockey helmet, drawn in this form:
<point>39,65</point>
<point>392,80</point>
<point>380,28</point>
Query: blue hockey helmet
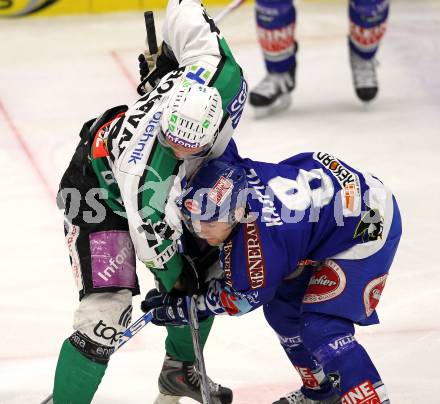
<point>214,194</point>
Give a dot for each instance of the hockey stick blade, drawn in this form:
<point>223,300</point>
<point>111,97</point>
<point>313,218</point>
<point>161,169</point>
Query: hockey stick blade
<point>131,331</point>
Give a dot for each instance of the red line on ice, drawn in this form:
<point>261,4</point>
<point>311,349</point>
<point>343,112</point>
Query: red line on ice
<point>26,150</point>
<point>122,67</point>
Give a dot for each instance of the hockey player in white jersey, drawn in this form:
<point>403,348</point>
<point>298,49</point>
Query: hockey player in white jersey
<point>118,194</point>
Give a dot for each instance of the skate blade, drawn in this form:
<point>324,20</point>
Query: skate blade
<point>166,399</point>
<point>281,104</point>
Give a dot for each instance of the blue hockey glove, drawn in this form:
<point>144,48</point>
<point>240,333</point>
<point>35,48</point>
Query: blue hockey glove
<point>167,309</point>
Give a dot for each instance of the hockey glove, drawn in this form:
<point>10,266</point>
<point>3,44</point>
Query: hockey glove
<point>167,309</point>
<point>152,67</point>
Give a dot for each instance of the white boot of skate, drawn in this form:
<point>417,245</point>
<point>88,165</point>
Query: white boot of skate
<point>364,76</point>
<point>273,93</point>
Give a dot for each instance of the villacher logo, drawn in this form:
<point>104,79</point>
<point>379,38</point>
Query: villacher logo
<point>326,283</point>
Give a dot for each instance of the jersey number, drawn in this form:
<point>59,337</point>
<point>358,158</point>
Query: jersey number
<point>298,194</point>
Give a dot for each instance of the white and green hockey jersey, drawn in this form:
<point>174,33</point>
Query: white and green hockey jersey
<point>142,177</point>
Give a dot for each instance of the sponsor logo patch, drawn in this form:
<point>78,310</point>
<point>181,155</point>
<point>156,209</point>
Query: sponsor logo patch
<point>363,393</point>
<point>348,180</point>
<point>99,147</point>
<point>221,190</point>
<point>308,377</point>
<point>255,262</point>
<point>372,294</point>
<point>290,343</point>
<point>277,40</point>
<point>227,250</point>
<point>370,227</point>
<point>105,332</point>
<point>182,142</point>
<point>159,261</point>
<point>343,342</point>
<point>137,153</point>
<point>228,302</point>
<point>113,259</point>
<point>326,283</point>
<point>236,106</point>
<point>198,74</point>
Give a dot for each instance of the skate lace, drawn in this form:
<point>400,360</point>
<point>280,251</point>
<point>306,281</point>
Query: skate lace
<point>194,378</point>
<point>364,71</point>
<point>274,83</point>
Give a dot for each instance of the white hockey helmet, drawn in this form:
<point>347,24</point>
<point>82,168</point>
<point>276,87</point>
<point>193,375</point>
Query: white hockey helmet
<point>192,116</point>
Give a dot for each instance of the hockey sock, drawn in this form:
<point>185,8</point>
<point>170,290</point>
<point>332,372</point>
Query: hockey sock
<point>179,344</point>
<point>275,28</point>
<point>315,383</point>
<point>76,378</point>
<point>345,361</point>
<point>368,19</point>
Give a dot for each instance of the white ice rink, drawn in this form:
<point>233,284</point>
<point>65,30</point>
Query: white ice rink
<point>57,73</point>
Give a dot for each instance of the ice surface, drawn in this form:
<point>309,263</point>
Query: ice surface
<point>57,73</point>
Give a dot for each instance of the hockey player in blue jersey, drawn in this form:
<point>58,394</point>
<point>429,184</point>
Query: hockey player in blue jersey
<point>276,33</point>
<point>311,240</point>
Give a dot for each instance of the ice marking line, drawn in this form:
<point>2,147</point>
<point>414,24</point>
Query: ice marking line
<point>122,67</point>
<point>27,151</point>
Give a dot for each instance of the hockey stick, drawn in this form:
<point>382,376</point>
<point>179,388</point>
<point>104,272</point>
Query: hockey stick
<point>228,9</point>
<point>129,333</point>
<point>150,29</point>
<point>194,325</point>
<point>145,86</point>
<point>151,32</point>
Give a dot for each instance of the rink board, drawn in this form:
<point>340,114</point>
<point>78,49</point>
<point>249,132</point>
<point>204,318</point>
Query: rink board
<point>20,8</point>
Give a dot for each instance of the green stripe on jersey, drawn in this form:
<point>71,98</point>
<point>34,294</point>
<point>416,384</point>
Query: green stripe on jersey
<point>154,188</point>
<point>228,80</point>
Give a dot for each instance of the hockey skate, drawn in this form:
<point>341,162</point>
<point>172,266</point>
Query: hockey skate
<point>297,397</point>
<point>364,76</point>
<point>181,379</point>
<point>272,94</point>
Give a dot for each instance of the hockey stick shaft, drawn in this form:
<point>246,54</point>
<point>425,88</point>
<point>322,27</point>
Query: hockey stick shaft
<point>151,32</point>
<point>194,325</point>
<point>128,334</point>
<point>233,5</point>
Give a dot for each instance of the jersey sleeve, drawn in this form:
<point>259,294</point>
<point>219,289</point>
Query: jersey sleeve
<point>223,299</point>
<point>253,269</point>
<point>146,203</point>
<point>188,32</point>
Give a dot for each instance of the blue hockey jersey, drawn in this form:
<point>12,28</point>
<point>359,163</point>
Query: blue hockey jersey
<point>310,207</point>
